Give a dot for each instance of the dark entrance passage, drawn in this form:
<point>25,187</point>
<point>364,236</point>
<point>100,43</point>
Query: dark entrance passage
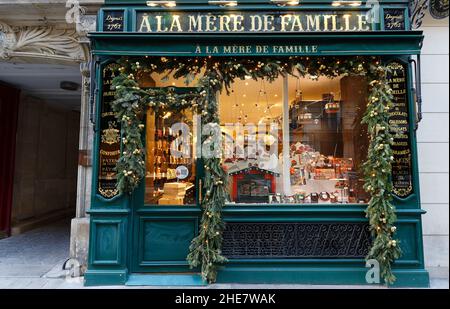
<point>9,108</point>
<point>39,133</point>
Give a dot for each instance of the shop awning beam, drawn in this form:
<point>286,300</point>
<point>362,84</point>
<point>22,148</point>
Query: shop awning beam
<point>325,44</point>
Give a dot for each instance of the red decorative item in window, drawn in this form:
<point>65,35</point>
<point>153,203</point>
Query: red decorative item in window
<point>253,185</point>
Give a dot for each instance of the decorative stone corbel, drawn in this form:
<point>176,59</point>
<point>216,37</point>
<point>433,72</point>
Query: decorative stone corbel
<point>40,42</point>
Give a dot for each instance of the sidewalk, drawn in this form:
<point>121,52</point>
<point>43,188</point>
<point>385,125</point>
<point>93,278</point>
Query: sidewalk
<point>58,283</point>
<point>34,260</point>
<point>34,253</point>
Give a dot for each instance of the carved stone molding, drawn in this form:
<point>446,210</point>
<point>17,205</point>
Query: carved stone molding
<point>76,14</point>
<point>40,42</point>
<point>85,69</point>
<point>417,9</point>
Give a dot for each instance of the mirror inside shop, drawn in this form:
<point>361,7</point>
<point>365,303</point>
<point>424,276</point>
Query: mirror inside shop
<point>291,141</point>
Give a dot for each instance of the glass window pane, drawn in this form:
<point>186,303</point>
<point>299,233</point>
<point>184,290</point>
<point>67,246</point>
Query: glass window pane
<point>252,124</point>
<point>170,148</point>
<point>170,165</point>
<point>327,141</point>
<point>295,140</point>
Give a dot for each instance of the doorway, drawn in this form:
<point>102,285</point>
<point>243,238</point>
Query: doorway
<point>166,206</point>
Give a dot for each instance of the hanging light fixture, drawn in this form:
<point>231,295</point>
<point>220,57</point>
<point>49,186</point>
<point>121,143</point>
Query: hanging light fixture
<point>223,3</point>
<point>346,3</point>
<point>332,106</point>
<point>286,2</point>
<point>167,4</point>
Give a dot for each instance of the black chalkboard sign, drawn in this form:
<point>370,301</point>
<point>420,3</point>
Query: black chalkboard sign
<point>394,19</point>
<point>399,123</point>
<point>113,21</point>
<point>109,150</point>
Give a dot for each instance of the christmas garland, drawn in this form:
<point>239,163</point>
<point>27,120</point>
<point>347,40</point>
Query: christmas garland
<point>218,74</point>
<point>377,170</point>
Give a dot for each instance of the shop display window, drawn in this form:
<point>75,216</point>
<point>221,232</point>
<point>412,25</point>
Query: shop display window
<point>170,165</point>
<point>171,148</point>
<point>295,140</point>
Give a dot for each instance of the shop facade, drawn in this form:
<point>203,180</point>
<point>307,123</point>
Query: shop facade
<point>293,144</point>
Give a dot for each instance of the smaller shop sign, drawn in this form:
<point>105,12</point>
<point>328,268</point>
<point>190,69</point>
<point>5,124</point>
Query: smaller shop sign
<point>113,21</point>
<point>399,122</point>
<point>256,49</point>
<point>109,150</point>
<point>394,19</point>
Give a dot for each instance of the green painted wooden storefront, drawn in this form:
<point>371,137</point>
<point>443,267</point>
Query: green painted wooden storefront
<point>131,242</point>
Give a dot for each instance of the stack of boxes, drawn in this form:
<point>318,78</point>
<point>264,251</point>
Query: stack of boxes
<point>174,194</point>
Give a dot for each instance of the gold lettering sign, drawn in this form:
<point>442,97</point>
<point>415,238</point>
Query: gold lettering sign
<point>394,19</point>
<point>256,49</point>
<point>113,21</point>
<point>399,122</point>
<point>109,151</point>
<point>235,22</point>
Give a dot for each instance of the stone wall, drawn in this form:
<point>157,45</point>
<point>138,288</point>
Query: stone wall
<point>46,161</point>
<point>433,141</point>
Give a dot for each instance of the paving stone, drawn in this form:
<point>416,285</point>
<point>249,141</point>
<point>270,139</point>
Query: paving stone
<point>35,252</point>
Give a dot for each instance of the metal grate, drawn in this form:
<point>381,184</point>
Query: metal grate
<point>245,240</point>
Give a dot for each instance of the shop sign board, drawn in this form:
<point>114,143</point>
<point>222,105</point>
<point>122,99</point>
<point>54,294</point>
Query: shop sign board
<point>251,22</point>
<point>394,19</point>
<point>402,178</point>
<point>109,152</point>
<point>114,21</point>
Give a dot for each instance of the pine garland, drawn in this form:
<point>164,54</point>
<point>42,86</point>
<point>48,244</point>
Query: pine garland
<point>205,249</point>
<point>377,169</point>
<point>218,74</point>
<point>130,106</point>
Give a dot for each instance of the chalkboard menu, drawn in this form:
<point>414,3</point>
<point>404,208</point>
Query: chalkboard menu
<point>113,21</point>
<point>109,137</point>
<point>399,122</point>
<point>394,19</point>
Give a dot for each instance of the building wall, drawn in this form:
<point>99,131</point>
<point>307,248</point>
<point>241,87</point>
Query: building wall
<point>46,161</point>
<point>433,142</point>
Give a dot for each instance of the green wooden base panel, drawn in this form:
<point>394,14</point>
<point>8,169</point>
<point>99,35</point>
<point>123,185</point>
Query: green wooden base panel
<point>165,280</point>
<point>316,276</point>
<point>105,277</point>
<point>412,278</point>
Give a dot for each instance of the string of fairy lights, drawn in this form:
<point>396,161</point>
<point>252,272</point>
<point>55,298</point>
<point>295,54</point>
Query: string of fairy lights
<point>219,75</point>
